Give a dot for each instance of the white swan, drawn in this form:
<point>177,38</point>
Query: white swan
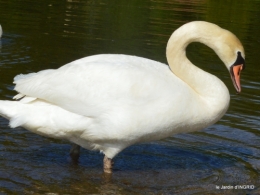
<point>109,102</point>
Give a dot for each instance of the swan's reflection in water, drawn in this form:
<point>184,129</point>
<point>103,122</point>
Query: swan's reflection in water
<point>172,169</point>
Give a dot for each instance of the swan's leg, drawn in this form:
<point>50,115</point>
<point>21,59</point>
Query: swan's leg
<point>74,152</point>
<point>108,165</point>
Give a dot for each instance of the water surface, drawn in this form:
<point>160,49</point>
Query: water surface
<point>47,34</point>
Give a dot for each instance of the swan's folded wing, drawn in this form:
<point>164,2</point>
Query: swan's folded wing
<point>90,86</point>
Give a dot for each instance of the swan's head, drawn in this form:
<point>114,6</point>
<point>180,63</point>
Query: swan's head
<point>231,52</point>
<point>226,45</point>
<point>235,71</point>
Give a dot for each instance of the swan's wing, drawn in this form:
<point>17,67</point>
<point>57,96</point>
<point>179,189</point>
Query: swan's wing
<point>97,84</point>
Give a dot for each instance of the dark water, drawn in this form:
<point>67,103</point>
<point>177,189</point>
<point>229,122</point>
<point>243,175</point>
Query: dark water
<point>47,34</point>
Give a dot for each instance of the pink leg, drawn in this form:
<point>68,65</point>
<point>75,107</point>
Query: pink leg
<point>108,164</point>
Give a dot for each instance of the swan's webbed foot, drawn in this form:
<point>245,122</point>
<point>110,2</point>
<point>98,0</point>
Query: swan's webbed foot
<point>108,165</point>
<point>75,152</point>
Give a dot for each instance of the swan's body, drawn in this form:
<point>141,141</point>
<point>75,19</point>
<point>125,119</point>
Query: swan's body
<point>109,102</point>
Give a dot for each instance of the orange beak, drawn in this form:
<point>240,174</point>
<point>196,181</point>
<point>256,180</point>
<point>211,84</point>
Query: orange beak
<point>235,72</point>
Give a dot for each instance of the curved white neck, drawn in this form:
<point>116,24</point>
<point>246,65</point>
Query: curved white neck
<point>207,86</point>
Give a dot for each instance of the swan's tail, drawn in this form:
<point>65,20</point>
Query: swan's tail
<point>8,110</point>
<point>43,118</point>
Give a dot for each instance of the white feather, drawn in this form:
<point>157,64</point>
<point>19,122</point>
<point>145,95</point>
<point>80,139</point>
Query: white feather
<point>18,96</point>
